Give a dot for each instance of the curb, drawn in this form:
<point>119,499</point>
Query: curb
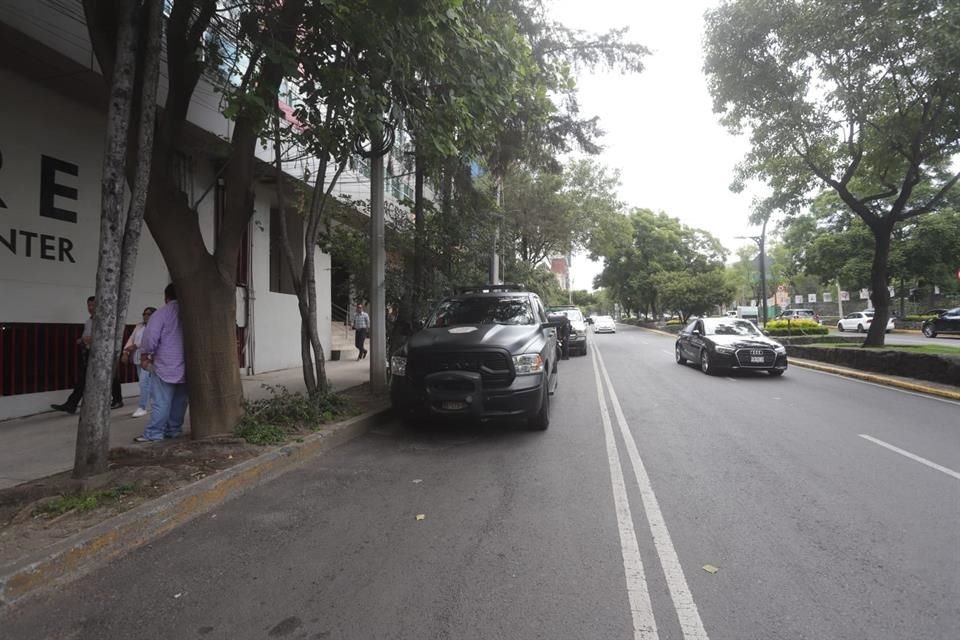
<point>877,379</point>
<point>79,554</point>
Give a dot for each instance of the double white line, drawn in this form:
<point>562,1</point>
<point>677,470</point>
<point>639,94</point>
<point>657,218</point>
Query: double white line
<point>644,624</point>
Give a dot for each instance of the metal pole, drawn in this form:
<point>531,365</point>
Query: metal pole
<point>839,299</point>
<point>763,269</point>
<point>495,256</point>
<point>378,293</point>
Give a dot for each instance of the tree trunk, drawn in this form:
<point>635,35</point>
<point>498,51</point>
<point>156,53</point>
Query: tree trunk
<point>208,317</point>
<point>880,295</point>
<point>93,432</point>
<point>446,215</point>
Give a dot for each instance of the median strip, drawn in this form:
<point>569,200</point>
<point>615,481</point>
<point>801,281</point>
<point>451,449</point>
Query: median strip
<point>875,378</point>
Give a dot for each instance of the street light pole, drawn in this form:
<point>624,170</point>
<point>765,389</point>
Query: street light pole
<point>761,241</point>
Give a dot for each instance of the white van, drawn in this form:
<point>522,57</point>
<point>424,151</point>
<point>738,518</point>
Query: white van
<point>749,313</point>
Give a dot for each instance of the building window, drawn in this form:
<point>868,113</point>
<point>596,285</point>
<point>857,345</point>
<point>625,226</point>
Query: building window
<point>183,174</point>
<point>281,279</point>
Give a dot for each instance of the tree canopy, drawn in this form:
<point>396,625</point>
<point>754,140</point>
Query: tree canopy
<point>862,98</point>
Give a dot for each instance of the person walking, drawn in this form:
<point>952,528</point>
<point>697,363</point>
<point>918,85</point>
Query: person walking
<point>83,343</point>
<point>131,351</point>
<point>161,351</point>
<point>361,325</point>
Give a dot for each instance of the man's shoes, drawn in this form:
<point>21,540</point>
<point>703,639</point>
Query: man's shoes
<point>142,440</point>
<point>139,413</point>
<point>116,404</point>
<point>64,407</point>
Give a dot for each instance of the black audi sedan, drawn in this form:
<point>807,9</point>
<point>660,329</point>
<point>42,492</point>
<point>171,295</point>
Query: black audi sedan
<point>729,343</point>
<point>947,322</point>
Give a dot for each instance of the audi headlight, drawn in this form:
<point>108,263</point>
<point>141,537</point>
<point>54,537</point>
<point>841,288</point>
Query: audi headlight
<point>398,365</point>
<point>780,349</point>
<point>528,363</point>
<point>725,349</point>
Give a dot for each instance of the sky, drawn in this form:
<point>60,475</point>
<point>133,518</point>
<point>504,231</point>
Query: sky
<point>661,132</point>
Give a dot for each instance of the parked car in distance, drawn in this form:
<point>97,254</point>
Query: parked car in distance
<point>729,343</point>
<point>799,314</point>
<point>578,328</point>
<point>948,322</point>
<point>859,321</point>
<point>604,324</point>
<point>485,352</point>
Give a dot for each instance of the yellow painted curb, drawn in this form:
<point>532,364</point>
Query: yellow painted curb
<point>876,378</point>
<point>71,558</point>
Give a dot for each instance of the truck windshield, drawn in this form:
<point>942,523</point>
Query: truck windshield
<point>482,310</point>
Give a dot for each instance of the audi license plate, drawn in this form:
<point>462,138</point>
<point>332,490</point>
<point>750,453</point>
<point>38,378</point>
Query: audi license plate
<point>453,406</point>
<point>756,358</point>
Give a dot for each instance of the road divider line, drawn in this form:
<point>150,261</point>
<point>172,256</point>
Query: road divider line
<point>912,456</point>
<point>641,609</point>
<point>690,623</point>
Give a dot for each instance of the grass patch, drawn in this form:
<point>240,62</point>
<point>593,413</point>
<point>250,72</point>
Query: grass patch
<point>83,501</point>
<point>273,420</point>
<point>934,349</point>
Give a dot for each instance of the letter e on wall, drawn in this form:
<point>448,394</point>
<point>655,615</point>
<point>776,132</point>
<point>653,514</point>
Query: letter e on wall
<point>49,188</point>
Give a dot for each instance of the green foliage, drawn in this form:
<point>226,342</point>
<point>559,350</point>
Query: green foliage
<point>82,501</point>
<point>646,251</point>
<point>795,327</point>
<point>272,420</point>
<point>869,110</point>
<point>692,293</point>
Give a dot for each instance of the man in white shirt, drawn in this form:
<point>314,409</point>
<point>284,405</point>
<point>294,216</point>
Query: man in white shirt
<point>361,325</point>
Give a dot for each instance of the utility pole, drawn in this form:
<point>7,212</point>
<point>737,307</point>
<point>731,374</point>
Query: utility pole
<point>495,255</point>
<point>381,141</point>
<point>378,293</point>
<point>761,241</point>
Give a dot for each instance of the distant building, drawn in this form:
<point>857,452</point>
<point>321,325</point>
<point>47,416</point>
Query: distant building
<point>560,267</point>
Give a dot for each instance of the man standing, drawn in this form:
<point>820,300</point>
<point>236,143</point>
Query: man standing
<point>361,325</point>
<point>84,342</point>
<point>161,351</point>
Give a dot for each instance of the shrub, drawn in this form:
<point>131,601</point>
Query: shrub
<point>795,327</point>
<point>271,420</point>
<point>674,321</point>
<point>916,318</point>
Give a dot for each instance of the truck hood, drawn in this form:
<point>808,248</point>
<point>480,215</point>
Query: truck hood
<point>473,337</point>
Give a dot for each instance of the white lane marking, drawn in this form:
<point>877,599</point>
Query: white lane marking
<point>879,386</point>
<point>641,610</point>
<point>690,622</point>
<point>669,353</point>
<point>731,379</point>
<point>932,465</point>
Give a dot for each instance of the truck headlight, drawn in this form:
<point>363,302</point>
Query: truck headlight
<point>528,363</point>
<point>398,365</point>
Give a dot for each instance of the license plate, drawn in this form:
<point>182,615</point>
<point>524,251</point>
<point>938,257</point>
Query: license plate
<point>453,406</point>
<point>756,358</point>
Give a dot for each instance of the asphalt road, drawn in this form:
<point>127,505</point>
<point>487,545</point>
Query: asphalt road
<point>829,507</point>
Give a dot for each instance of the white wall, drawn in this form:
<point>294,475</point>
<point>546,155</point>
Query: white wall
<point>276,320</point>
<point>52,286</point>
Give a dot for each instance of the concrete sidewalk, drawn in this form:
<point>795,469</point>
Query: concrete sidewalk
<point>44,444</point>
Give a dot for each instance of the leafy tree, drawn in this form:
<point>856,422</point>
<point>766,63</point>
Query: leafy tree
<point>860,97</point>
<point>689,293</point>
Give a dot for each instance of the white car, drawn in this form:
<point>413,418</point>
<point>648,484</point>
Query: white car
<point>860,321</point>
<point>604,324</point>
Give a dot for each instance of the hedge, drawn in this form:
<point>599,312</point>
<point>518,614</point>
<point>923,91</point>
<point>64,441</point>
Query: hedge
<point>795,327</point>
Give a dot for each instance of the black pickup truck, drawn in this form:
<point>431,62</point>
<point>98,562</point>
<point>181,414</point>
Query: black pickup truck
<point>485,352</point>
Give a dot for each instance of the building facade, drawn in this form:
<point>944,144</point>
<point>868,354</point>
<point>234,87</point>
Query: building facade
<point>52,128</point>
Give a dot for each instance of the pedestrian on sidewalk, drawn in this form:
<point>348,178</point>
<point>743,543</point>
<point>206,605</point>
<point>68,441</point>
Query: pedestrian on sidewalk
<point>161,351</point>
<point>83,343</point>
<point>131,350</point>
<point>361,325</point>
